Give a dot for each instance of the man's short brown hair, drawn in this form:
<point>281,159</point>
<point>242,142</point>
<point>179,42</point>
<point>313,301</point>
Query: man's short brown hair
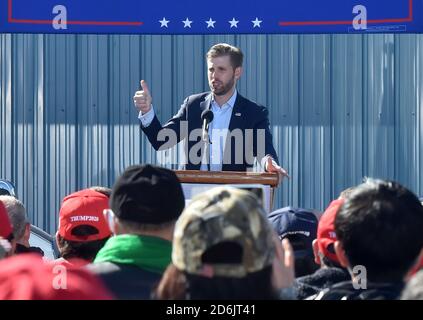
<point>224,49</point>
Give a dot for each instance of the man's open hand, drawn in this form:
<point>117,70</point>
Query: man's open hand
<point>274,168</point>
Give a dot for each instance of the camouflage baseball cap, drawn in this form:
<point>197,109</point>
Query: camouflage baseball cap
<point>220,216</point>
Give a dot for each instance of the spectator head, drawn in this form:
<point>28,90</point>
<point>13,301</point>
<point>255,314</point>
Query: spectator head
<point>6,230</point>
<point>83,229</point>
<point>380,227</point>
<point>28,277</point>
<point>299,226</point>
<point>146,200</point>
<point>324,245</point>
<point>224,245</point>
<point>18,218</point>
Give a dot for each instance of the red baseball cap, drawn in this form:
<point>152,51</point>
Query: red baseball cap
<point>84,207</point>
<point>28,277</point>
<point>5,225</point>
<point>326,235</point>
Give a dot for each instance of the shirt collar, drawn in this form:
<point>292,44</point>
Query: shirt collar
<point>229,104</point>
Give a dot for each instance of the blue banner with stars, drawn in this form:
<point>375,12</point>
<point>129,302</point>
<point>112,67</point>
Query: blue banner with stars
<point>215,17</point>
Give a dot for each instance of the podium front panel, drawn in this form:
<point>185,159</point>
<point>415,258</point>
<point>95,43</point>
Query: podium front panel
<point>263,192</point>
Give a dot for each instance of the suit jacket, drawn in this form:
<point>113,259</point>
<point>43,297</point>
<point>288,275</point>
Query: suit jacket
<point>247,118</point>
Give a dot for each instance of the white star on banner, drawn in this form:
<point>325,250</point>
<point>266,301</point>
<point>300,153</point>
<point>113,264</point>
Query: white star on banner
<point>187,23</point>
<point>234,23</point>
<point>210,23</point>
<point>163,22</point>
<point>256,23</point>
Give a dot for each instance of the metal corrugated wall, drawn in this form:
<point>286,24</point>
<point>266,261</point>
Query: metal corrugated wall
<point>341,107</point>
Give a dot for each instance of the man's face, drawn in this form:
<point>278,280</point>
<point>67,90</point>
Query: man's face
<point>222,76</point>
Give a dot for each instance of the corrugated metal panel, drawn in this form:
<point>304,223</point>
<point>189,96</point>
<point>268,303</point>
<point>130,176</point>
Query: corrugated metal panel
<point>347,107</point>
<point>341,107</point>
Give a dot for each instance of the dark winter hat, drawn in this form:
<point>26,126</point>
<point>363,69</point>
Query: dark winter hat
<point>147,194</point>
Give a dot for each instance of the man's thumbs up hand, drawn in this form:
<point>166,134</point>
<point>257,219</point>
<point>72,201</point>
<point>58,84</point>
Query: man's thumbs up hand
<point>142,98</point>
<point>144,86</point>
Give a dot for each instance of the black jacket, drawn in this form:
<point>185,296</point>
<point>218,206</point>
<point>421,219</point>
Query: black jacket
<point>126,281</point>
<point>322,279</point>
<point>245,115</point>
<point>22,249</point>
<point>374,291</point>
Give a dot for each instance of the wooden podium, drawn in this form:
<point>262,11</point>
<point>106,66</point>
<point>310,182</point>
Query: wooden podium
<point>196,181</point>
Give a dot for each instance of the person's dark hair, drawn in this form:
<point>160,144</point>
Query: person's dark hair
<point>176,284</point>
<point>325,261</point>
<point>304,257</point>
<point>20,248</point>
<point>380,227</point>
<point>10,237</point>
<point>305,266</point>
<point>224,49</point>
<point>414,288</point>
<point>86,250</point>
<point>103,190</point>
<point>4,192</point>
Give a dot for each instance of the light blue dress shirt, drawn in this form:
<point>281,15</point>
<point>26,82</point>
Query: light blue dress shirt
<point>218,131</point>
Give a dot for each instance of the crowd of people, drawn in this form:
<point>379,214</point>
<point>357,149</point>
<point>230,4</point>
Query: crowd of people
<point>138,240</point>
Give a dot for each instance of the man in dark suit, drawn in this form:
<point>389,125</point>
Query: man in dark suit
<point>238,132</point>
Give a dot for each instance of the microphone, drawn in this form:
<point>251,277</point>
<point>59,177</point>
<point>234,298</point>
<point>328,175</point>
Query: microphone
<point>206,117</point>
